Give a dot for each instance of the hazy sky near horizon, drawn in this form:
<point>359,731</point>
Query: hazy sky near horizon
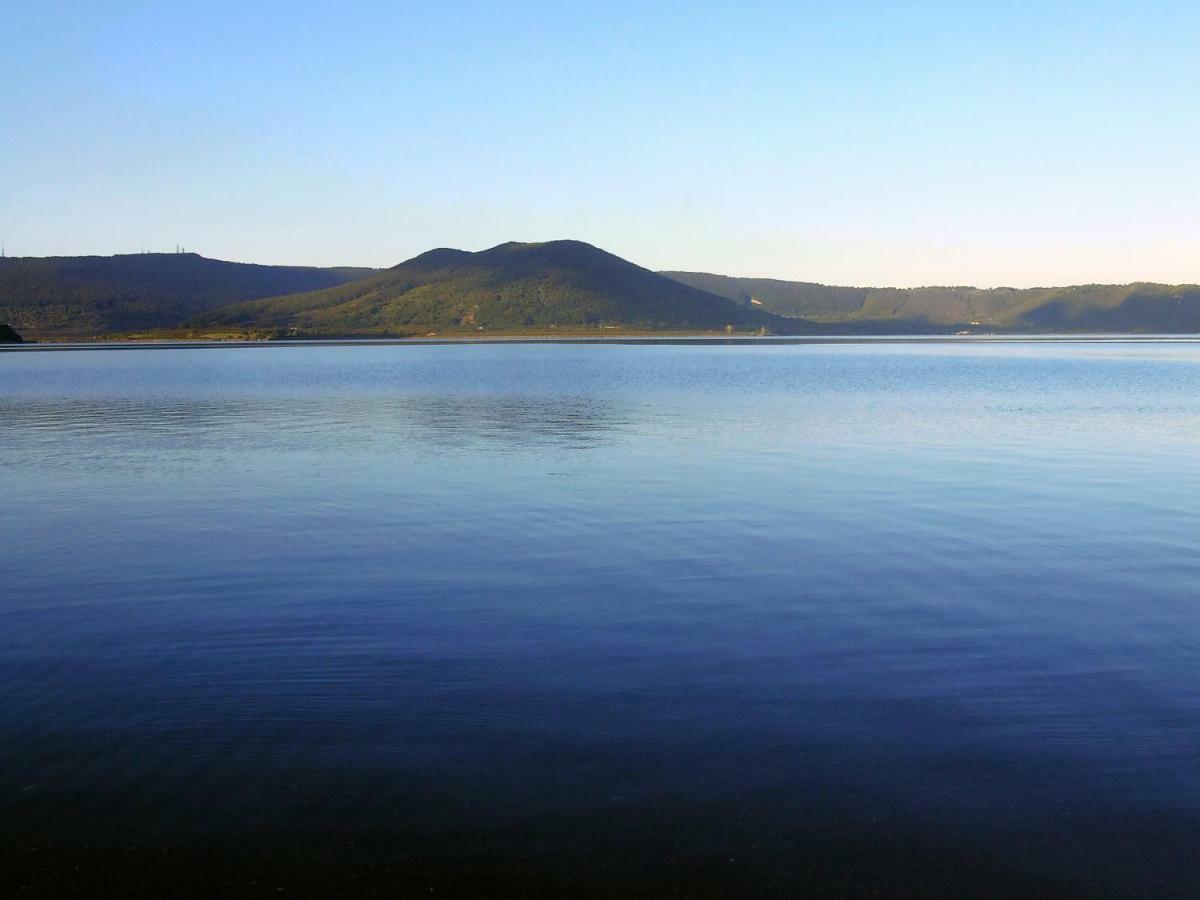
<point>886,143</point>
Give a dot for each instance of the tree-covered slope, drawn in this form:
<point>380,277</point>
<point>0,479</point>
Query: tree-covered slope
<point>1162,308</point>
<point>76,295</point>
<point>510,287</point>
<point>515,287</point>
<point>1082,308</point>
<point>785,298</point>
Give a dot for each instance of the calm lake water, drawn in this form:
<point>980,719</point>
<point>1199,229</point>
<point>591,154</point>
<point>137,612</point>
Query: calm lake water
<point>576,620</point>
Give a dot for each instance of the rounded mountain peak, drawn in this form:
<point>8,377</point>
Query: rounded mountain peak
<point>439,258</point>
<point>562,252</point>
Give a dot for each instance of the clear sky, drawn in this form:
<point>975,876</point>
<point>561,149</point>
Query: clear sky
<point>852,143</point>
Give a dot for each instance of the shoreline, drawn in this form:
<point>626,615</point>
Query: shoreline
<point>627,340</point>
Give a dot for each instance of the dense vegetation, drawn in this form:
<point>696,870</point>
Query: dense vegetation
<point>511,287</point>
<point>82,295</point>
<point>8,334</point>
<point>515,287</point>
<point>1085,308</point>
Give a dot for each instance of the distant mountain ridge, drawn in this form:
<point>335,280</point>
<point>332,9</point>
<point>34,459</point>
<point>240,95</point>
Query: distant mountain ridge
<point>512,286</point>
<point>80,295</point>
<point>517,287</point>
<point>1139,307</point>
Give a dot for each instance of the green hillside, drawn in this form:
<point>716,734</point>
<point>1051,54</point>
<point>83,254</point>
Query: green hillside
<point>510,287</point>
<point>83,295</point>
<point>519,287</point>
<point>785,298</point>
<point>1171,309</point>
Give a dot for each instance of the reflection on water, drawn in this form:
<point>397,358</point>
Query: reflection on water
<point>510,422</point>
<point>589,619</point>
<point>121,430</point>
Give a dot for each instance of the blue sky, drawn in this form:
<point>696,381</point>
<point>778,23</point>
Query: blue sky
<point>853,143</point>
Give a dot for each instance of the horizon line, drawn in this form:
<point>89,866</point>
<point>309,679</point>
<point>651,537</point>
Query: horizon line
<point>181,251</point>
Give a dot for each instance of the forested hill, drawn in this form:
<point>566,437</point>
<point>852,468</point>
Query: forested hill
<point>84,295</point>
<point>517,286</point>
<point>1154,308</point>
<point>510,287</point>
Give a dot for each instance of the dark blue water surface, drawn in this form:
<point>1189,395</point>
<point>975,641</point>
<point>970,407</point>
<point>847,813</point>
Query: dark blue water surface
<point>576,620</point>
